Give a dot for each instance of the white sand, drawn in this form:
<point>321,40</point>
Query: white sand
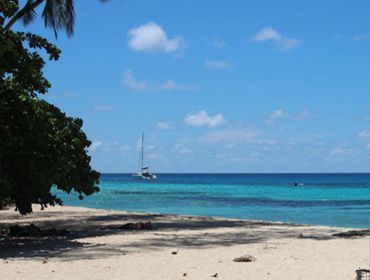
<point>95,249</point>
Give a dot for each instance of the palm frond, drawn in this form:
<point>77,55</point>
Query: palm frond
<point>69,17</point>
<point>48,14</point>
<point>59,14</point>
<point>29,14</point>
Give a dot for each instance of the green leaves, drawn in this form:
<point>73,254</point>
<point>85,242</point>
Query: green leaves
<point>24,65</point>
<point>8,8</point>
<point>40,147</point>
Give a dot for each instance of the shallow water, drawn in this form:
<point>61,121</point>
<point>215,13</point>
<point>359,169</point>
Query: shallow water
<point>324,199</point>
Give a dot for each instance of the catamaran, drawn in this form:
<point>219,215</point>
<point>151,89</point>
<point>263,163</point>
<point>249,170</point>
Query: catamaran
<point>144,171</point>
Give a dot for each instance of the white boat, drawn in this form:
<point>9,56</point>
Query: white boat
<point>144,171</point>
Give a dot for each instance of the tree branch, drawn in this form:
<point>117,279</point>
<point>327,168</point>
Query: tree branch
<point>22,12</point>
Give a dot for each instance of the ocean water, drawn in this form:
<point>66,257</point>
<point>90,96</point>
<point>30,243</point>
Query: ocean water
<point>324,199</point>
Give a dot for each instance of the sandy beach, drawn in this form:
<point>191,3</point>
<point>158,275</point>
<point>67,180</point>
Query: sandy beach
<point>178,247</point>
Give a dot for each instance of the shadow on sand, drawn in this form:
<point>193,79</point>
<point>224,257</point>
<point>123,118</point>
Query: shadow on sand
<point>169,231</point>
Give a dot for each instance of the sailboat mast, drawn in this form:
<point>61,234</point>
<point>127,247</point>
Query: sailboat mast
<point>142,150</point>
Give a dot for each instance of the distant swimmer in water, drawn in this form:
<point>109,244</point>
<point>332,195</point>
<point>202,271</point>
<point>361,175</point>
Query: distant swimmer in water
<point>298,184</point>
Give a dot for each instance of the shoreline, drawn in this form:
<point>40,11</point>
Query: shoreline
<point>199,217</point>
<point>197,246</point>
<point>205,217</point>
<point>220,218</point>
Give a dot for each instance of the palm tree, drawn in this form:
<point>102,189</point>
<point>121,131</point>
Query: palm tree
<point>57,14</point>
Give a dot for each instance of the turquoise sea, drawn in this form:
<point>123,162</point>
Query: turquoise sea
<point>324,199</point>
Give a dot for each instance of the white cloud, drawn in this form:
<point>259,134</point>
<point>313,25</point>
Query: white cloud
<point>267,142</point>
<point>103,108</point>
<point>130,82</point>
<point>217,64</point>
<point>229,136</point>
<point>143,86</point>
<point>181,149</point>
<point>202,119</point>
<point>216,42</point>
<point>151,37</point>
<point>155,156</point>
<point>281,114</point>
<point>164,125</point>
<point>100,146</point>
<point>125,148</point>
<point>361,37</point>
<point>364,134</point>
<point>305,114</point>
<point>269,34</point>
<point>275,115</point>
<point>228,146</point>
<point>95,145</point>
<point>340,151</point>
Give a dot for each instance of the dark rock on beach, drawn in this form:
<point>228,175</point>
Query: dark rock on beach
<point>137,226</point>
<point>353,233</point>
<point>245,258</point>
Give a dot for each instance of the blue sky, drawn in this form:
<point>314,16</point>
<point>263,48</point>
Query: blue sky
<point>219,86</point>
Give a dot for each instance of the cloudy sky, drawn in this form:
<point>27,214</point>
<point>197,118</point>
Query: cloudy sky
<point>219,86</point>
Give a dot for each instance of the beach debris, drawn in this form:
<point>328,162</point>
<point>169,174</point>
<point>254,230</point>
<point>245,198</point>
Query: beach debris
<point>266,247</point>
<point>174,252</point>
<point>44,261</point>
<point>353,233</point>
<point>137,226</point>
<point>184,274</point>
<point>245,258</point>
<point>214,275</point>
<point>34,231</point>
<point>362,274</point>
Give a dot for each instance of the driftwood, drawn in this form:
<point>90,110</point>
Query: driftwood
<point>137,226</point>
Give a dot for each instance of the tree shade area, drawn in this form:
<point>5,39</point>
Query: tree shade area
<point>40,147</point>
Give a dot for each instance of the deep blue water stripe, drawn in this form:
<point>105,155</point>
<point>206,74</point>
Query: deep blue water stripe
<point>326,199</point>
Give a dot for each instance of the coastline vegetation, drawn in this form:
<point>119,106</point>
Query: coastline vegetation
<point>40,146</point>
